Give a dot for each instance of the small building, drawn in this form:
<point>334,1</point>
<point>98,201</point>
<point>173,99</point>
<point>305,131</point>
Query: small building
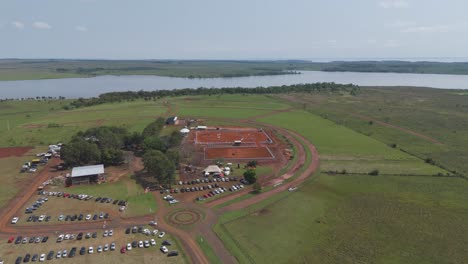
<point>86,174</point>
<point>202,127</point>
<point>184,131</point>
<point>212,170</point>
<point>171,120</point>
<point>237,142</point>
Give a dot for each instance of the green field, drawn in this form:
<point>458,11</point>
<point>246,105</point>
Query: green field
<point>341,148</point>
<point>360,219</point>
<point>139,203</point>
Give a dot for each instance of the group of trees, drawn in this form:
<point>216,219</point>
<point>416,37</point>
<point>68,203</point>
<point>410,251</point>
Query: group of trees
<point>161,156</point>
<point>129,95</point>
<point>96,145</point>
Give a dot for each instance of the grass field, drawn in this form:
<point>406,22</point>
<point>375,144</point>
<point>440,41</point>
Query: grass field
<point>127,189</point>
<point>344,149</point>
<point>207,250</point>
<point>359,219</point>
<point>11,177</point>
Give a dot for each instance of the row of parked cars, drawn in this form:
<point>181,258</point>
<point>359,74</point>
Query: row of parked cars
<point>79,236</point>
<point>81,217</point>
<point>146,231</point>
<point>63,253</point>
<point>36,205</point>
<point>84,197</point>
<point>208,180</point>
<point>25,240</point>
<point>38,218</point>
<point>149,243</point>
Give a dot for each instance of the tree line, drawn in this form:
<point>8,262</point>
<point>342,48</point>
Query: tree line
<point>134,95</point>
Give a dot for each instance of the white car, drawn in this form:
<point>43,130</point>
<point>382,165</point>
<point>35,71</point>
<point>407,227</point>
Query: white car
<point>161,235</point>
<point>106,247</point>
<point>59,254</point>
<point>67,237</point>
<point>106,233</point>
<point>88,217</point>
<point>61,217</point>
<point>41,218</point>
<point>42,257</point>
<point>140,244</point>
<point>173,201</point>
<point>129,246</point>
<point>155,232</point>
<point>147,244</point>
<point>112,246</point>
<point>153,242</point>
<point>90,250</point>
<point>14,220</point>
<point>99,249</point>
<point>64,253</point>
<point>164,249</point>
<point>111,232</point>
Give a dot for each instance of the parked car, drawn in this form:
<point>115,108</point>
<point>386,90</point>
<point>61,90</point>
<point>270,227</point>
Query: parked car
<point>127,231</point>
<point>64,253</point>
<point>99,249</point>
<point>94,235</point>
<point>27,257</point>
<point>11,239</point>
<point>161,235</point>
<point>146,244</point>
<point>14,220</point>
<point>90,250</point>
<point>173,253</point>
<point>72,252</point>
<point>129,247</point>
<point>153,242</point>
<point>106,247</point>
<point>140,244</point>
<point>50,255</point>
<point>82,251</point>
<point>122,250</point>
<point>59,254</point>
<point>88,217</point>
<point>112,246</point>
<point>44,239</point>
<point>18,260</point>
<point>166,243</point>
<point>42,257</point>
<point>164,249</point>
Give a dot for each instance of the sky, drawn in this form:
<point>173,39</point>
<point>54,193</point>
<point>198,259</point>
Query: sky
<point>240,29</point>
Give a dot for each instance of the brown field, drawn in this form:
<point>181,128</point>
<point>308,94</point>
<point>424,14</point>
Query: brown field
<point>238,153</point>
<point>13,151</point>
<point>228,136</point>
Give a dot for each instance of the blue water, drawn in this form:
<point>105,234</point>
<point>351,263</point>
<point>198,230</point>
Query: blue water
<point>89,87</point>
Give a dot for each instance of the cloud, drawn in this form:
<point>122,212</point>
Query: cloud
<point>399,24</point>
<point>81,28</point>
<point>394,4</point>
<point>41,25</point>
<point>371,41</point>
<point>18,24</point>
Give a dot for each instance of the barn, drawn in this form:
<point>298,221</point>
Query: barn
<point>87,174</point>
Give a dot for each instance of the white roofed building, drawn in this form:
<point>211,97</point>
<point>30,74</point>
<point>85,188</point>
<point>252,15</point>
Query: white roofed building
<point>86,174</point>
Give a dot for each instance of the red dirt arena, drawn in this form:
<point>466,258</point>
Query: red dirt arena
<point>13,151</point>
<point>228,136</point>
<point>238,153</point>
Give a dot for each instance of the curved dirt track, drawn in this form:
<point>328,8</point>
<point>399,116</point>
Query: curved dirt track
<point>187,237</point>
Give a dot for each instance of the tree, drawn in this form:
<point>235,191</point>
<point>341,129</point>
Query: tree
<point>153,128</point>
<point>154,143</point>
<point>173,155</point>
<point>112,157</point>
<point>257,187</point>
<point>250,176</point>
<point>174,140</point>
<point>252,164</point>
<point>374,172</point>
<point>80,152</point>
<point>157,164</point>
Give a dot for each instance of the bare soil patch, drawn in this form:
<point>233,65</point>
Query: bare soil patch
<point>13,151</point>
<point>238,153</point>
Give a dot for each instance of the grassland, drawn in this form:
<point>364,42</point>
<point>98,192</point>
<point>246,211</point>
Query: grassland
<point>439,114</point>
<point>127,189</point>
<point>47,69</point>
<point>344,149</point>
<point>208,250</point>
<point>359,219</point>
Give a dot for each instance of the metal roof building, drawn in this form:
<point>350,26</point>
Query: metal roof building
<point>86,174</point>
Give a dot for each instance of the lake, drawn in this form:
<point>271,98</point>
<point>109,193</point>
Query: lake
<point>89,87</point>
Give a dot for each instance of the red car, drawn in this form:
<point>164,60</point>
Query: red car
<point>206,196</point>
<point>11,239</point>
<point>123,250</point>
